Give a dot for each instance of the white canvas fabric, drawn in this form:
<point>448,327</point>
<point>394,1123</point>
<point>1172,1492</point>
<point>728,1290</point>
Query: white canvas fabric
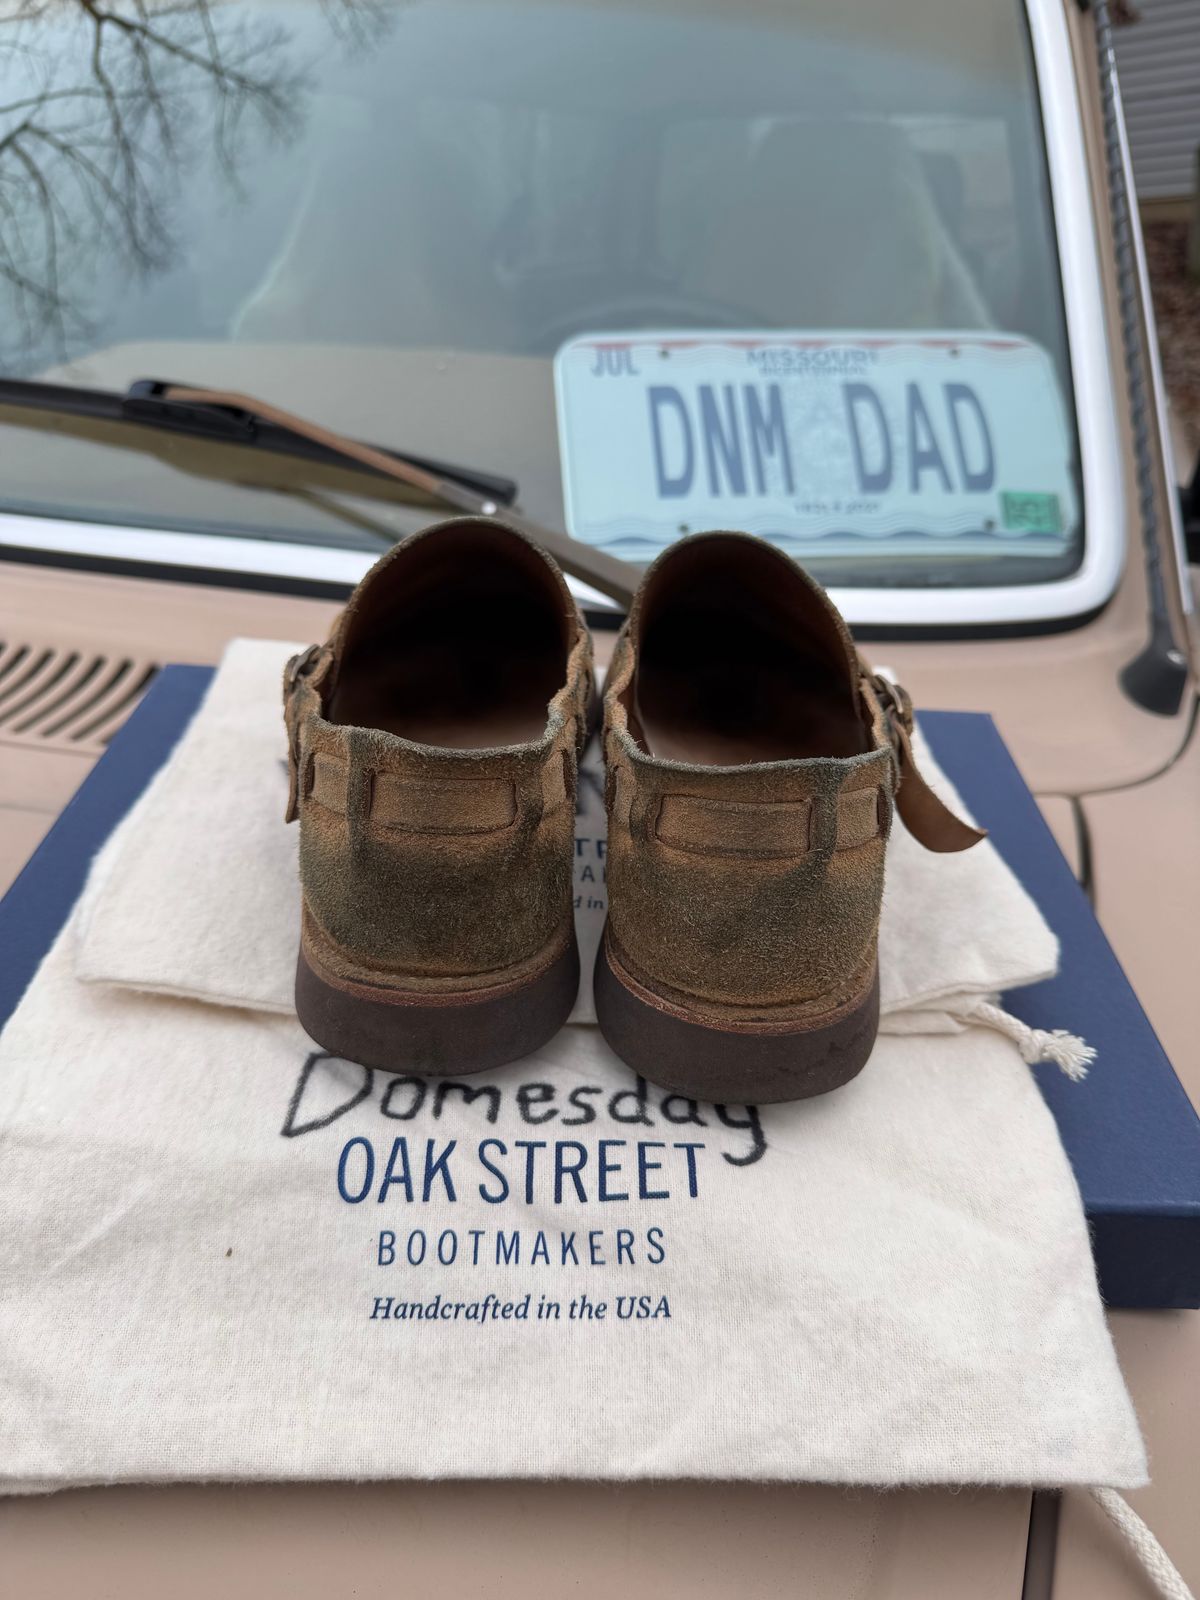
<point>227,1255</point>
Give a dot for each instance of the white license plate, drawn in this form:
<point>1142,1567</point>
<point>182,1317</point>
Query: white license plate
<point>824,443</point>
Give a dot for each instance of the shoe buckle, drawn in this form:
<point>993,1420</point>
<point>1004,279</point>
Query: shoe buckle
<point>895,700</point>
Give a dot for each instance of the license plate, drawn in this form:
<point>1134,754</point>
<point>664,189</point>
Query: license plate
<point>828,444</point>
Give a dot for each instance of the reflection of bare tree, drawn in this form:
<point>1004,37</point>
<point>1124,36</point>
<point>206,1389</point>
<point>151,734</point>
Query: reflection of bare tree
<point>107,102</point>
<point>358,23</point>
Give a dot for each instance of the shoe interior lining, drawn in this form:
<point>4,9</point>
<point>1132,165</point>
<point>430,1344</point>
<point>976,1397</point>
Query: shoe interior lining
<point>735,666</point>
<point>462,644</point>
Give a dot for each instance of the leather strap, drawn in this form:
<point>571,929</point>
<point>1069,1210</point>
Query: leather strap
<point>407,803</point>
<point>765,830</point>
<point>928,819</point>
<point>309,667</point>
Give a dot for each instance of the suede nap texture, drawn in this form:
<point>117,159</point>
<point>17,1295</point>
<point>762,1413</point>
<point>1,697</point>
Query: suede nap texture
<point>435,907</point>
<point>729,924</point>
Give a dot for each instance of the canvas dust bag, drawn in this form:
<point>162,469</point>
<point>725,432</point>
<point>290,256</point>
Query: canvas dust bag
<point>226,1254</point>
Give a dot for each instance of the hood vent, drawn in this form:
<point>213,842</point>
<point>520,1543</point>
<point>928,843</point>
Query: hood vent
<point>65,699</point>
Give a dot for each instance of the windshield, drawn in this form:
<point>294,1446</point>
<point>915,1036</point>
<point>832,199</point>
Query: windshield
<point>818,238</point>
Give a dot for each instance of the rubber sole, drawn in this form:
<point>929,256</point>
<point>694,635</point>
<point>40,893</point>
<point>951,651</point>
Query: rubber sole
<point>740,1066</point>
<point>447,1038</point>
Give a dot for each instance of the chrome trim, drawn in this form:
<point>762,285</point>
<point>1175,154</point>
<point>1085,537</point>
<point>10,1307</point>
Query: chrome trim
<point>1089,340</point>
<point>204,552</point>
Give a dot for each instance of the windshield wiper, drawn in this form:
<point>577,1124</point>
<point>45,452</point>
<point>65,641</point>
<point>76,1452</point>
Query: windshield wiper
<point>613,577</point>
<point>169,408</point>
<point>228,417</point>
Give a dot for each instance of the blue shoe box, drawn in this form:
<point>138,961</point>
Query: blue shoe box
<point>1129,1129</point>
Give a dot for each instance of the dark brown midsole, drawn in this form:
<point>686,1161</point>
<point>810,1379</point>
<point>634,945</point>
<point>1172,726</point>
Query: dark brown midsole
<point>731,1067</point>
<point>448,1038</point>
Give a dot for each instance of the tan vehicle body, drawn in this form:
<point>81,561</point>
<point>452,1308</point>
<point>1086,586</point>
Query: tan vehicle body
<point>1119,786</point>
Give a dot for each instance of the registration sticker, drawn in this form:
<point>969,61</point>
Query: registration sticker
<point>828,444</point>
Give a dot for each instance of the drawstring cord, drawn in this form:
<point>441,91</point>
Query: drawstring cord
<point>1073,1056</point>
<point>1068,1052</point>
<point>1145,1548</point>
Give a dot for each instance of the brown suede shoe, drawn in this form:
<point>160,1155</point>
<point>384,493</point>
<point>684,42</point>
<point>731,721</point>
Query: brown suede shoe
<point>433,743</point>
<point>752,764</point>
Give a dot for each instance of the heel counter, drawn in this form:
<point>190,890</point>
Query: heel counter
<point>770,901</point>
<point>432,874</point>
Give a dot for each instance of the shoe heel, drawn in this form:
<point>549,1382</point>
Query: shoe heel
<point>450,1037</point>
<point>754,1065</point>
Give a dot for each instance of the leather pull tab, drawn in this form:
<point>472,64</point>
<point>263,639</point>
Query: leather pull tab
<point>929,819</point>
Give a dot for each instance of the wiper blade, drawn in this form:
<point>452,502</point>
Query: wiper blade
<point>175,408</point>
<point>227,417</point>
<point>612,576</point>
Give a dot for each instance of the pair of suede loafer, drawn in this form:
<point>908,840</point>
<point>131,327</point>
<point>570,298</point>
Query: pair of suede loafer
<point>753,764</point>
